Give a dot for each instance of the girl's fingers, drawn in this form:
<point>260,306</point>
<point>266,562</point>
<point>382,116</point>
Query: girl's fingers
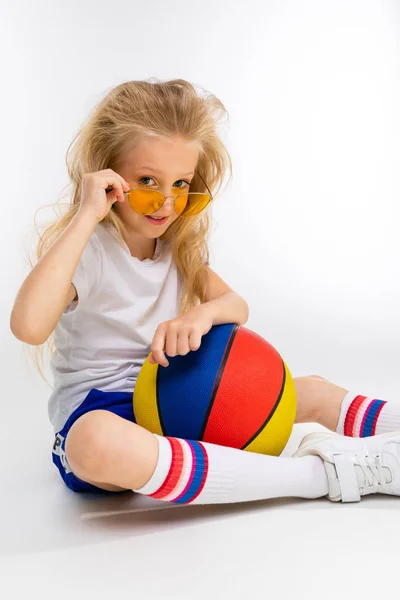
<point>157,347</point>
<point>171,341</point>
<point>183,343</point>
<point>195,340</point>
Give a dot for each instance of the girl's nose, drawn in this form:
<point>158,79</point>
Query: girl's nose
<point>168,204</point>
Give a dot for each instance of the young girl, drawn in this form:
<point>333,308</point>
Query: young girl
<point>125,272</point>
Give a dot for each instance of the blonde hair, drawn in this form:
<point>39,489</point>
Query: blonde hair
<point>130,113</point>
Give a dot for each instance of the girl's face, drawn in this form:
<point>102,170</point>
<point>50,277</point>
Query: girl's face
<point>165,165</point>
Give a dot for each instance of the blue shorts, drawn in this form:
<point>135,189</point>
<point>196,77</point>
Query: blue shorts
<point>119,403</point>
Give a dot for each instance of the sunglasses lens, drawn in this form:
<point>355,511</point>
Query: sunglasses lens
<point>191,204</point>
<point>145,202</point>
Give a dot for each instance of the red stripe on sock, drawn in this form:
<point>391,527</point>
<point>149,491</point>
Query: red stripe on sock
<point>352,414</point>
<point>378,412</point>
<point>205,472</point>
<point>174,472</point>
<point>192,472</point>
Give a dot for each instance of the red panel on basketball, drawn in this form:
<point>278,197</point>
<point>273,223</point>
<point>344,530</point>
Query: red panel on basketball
<point>252,360</point>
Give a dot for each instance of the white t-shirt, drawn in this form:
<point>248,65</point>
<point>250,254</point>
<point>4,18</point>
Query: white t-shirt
<point>103,338</point>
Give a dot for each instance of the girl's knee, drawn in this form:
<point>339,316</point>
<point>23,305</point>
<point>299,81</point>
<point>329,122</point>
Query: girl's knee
<point>101,446</point>
<point>88,441</point>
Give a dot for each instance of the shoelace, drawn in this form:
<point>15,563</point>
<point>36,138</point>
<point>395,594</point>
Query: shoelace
<point>372,469</point>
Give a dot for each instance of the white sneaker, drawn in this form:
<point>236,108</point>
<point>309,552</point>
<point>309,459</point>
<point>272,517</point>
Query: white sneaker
<point>356,466</point>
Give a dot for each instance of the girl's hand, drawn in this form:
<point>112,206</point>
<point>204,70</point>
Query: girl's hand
<point>94,198</point>
<point>181,335</point>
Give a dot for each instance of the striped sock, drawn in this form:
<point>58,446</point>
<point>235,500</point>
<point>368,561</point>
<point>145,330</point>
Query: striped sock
<point>361,416</point>
<point>191,472</point>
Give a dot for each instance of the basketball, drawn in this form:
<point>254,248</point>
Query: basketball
<point>235,391</point>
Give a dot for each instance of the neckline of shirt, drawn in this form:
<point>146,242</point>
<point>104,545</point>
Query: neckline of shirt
<point>158,251</point>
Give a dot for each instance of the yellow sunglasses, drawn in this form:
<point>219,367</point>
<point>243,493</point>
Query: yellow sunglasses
<point>147,202</point>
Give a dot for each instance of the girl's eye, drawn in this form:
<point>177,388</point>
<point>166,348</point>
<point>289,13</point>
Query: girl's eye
<point>175,184</point>
<point>140,180</point>
<point>184,181</point>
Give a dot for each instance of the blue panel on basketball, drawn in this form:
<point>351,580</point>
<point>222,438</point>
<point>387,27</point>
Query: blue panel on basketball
<point>181,380</point>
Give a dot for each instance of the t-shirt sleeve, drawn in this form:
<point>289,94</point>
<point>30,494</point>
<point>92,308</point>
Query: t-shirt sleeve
<point>87,274</point>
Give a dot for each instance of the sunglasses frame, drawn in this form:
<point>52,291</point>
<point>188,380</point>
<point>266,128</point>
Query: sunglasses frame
<point>177,196</point>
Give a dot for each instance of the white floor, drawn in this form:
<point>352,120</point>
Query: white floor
<point>57,544</point>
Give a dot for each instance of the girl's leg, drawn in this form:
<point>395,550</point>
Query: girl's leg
<point>343,411</point>
<point>103,447</point>
<point>111,452</point>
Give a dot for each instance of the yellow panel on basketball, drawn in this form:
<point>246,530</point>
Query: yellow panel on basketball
<point>145,398</point>
<point>274,436</point>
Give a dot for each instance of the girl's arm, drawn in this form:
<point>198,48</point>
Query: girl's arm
<point>224,304</point>
<point>47,290</point>
<point>179,336</point>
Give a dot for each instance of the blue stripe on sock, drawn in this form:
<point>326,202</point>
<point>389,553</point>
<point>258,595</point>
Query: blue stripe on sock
<point>199,468</point>
<point>369,419</point>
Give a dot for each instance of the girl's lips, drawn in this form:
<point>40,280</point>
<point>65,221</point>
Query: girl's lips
<point>156,221</point>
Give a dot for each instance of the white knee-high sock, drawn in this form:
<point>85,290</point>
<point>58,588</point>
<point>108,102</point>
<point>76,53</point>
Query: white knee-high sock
<point>361,416</point>
<point>191,472</point>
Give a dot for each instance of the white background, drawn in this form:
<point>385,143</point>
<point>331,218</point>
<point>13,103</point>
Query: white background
<point>307,231</point>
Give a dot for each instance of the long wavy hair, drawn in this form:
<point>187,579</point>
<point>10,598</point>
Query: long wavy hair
<point>130,113</point>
